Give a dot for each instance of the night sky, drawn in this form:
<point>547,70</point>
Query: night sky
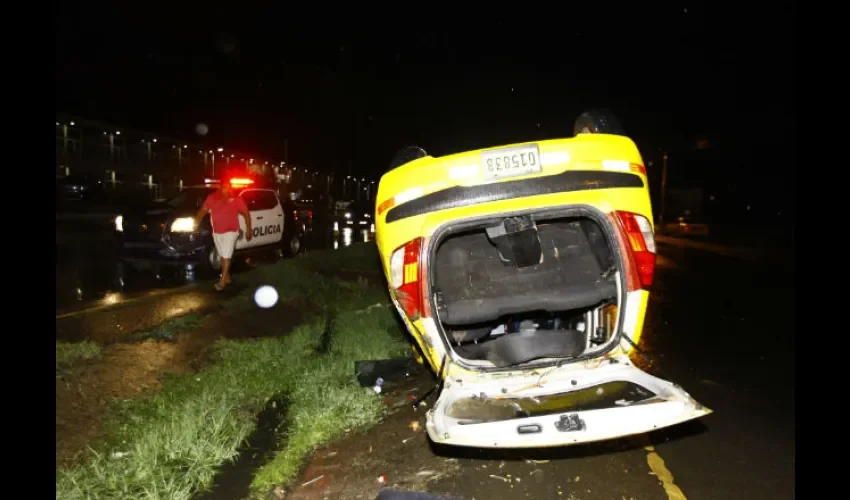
<point>356,86</point>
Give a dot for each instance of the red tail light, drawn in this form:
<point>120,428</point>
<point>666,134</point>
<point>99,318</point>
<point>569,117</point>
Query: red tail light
<point>639,242</point>
<point>406,274</point>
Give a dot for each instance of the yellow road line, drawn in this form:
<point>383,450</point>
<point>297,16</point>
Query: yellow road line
<point>657,466</point>
<point>123,302</point>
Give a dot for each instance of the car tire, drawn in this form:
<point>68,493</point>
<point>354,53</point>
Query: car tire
<point>209,261</point>
<point>293,245</point>
<point>598,121</point>
<point>407,155</point>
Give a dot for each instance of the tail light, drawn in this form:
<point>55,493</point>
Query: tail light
<point>405,276</point>
<point>640,243</point>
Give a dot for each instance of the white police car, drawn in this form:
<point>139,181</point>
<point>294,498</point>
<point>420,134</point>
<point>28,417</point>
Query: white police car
<point>166,233</point>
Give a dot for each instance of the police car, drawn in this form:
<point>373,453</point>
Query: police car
<point>166,232</point>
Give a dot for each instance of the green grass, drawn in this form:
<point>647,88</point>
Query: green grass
<point>170,443</point>
<point>68,352</point>
<point>358,256</point>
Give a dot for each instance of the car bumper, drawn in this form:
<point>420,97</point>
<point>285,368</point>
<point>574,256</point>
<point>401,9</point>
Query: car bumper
<point>151,251</point>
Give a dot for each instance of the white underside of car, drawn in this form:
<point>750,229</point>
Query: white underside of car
<point>668,405</point>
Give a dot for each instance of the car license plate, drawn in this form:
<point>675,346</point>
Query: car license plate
<point>511,162</point>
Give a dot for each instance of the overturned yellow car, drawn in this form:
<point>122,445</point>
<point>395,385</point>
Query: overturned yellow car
<point>523,274</point>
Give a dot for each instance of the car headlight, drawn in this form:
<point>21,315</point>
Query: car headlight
<point>119,223</point>
<point>183,225</point>
<point>347,215</point>
<point>367,216</point>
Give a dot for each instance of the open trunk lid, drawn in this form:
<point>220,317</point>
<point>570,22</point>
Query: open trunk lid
<point>571,404</point>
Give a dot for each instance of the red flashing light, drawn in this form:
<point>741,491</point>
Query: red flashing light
<point>240,182</point>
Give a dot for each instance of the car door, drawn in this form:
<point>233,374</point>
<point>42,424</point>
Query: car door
<point>577,403</point>
<point>248,196</point>
<point>266,217</point>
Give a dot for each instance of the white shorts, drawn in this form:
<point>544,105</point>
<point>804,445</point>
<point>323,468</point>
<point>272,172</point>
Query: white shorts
<point>225,243</point>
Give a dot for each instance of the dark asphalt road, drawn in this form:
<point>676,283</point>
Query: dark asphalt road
<point>720,327</point>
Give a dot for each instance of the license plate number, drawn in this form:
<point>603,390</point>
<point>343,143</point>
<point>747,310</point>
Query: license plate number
<point>511,162</point>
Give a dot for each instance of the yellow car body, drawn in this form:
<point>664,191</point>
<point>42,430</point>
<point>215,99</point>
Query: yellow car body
<point>601,173</point>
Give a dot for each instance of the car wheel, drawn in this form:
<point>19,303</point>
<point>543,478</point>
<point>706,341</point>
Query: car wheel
<point>407,155</point>
<point>293,245</point>
<point>598,121</point>
<point>209,261</point>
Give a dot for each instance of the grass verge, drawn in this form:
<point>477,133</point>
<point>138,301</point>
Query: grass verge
<point>68,352</point>
<point>169,444</point>
<point>358,256</point>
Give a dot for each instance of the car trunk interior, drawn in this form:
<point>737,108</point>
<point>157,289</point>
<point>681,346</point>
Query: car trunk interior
<point>521,289</point>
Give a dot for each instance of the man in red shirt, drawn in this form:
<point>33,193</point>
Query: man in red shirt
<point>224,208</point>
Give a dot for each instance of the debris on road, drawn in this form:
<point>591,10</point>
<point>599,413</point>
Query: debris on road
<point>312,481</point>
<point>373,306</point>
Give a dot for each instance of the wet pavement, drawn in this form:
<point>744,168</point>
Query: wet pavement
<point>89,276</point>
<point>719,326</point>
